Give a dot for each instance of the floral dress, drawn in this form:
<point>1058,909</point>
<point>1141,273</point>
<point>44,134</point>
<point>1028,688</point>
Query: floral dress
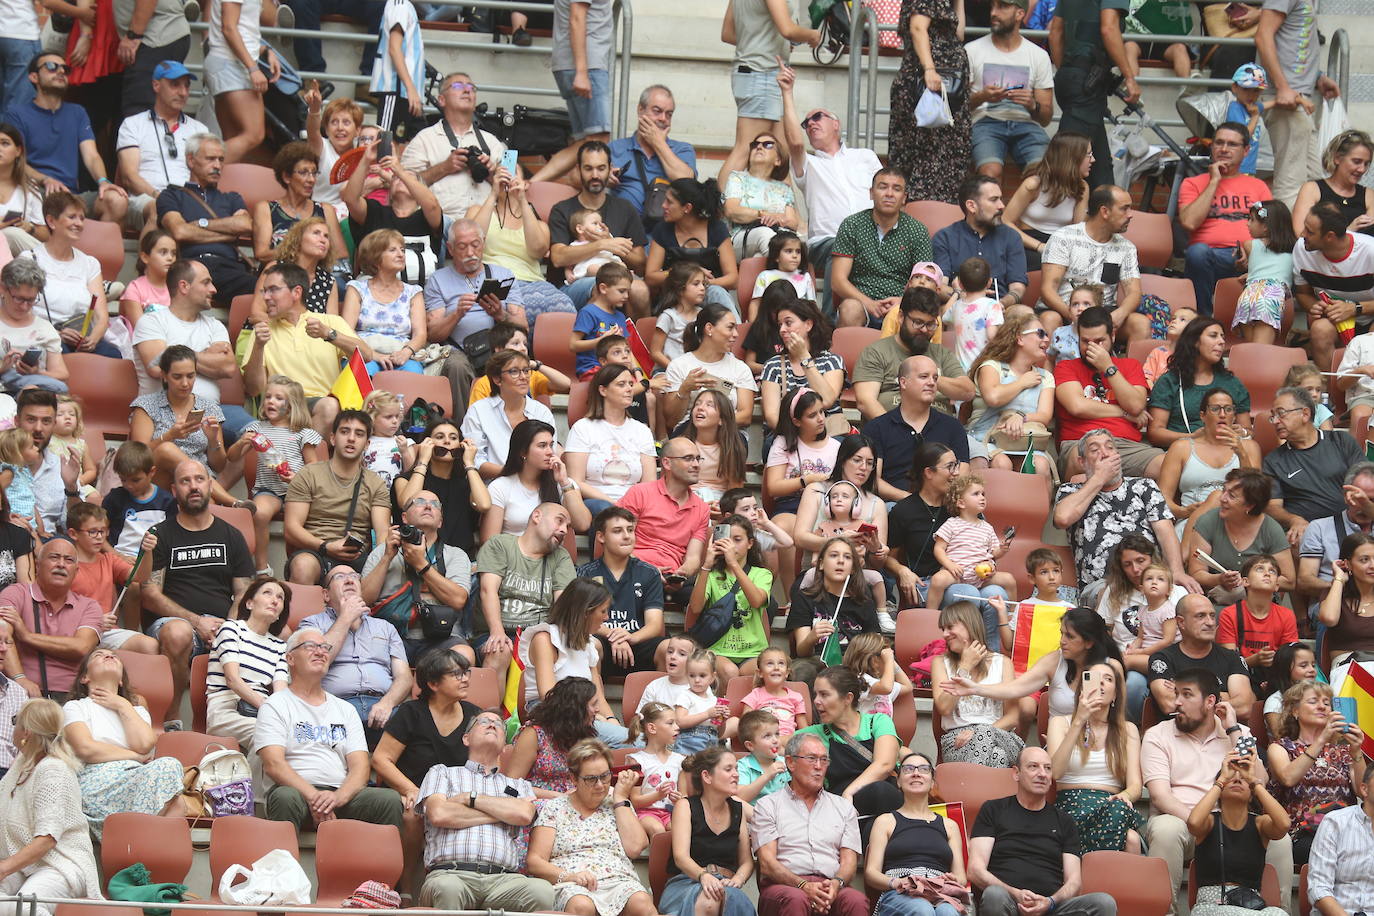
<point>589,844</point>
<point>550,770</point>
<point>1325,786</point>
<point>384,319</point>
<point>934,160</point>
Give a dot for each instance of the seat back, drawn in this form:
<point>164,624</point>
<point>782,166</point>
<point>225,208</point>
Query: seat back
<point>1139,350</point>
<point>552,332</point>
<point>255,183</point>
<point>577,401</point>
<point>349,852</point>
<point>162,844</point>
<point>1153,237</point>
<point>905,718</point>
<point>104,242</point>
<point>191,747</point>
<point>635,682</point>
<point>241,519</point>
<point>1304,903</point>
<point>306,601</point>
<point>105,388</point>
<point>1177,291</point>
<point>973,785</point>
<point>484,688</point>
<point>1139,884</point>
<point>917,627</point>
<point>660,851</point>
<point>411,385</point>
<point>151,678</point>
<point>241,840</point>
<point>1032,293</point>
<point>1014,560</point>
<point>200,669</point>
<point>1016,499</point>
<point>1261,368</point>
<point>239,307</point>
<point>542,195</point>
<point>934,214</point>
<point>849,343</point>
<point>749,270</point>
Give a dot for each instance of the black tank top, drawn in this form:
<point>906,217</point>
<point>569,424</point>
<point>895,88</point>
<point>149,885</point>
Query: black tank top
<point>1243,851</point>
<point>1350,207</point>
<point>709,848</point>
<point>918,844</point>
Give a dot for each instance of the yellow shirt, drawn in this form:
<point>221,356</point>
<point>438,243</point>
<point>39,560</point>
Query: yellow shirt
<point>539,387</point>
<point>312,361</point>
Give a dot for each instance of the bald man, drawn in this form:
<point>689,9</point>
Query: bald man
<point>897,433</point>
<point>671,531</point>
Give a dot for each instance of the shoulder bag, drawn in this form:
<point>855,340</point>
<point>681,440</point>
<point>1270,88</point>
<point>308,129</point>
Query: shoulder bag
<point>716,620</point>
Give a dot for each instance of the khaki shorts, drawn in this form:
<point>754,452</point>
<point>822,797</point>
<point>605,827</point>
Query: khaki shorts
<point>1135,456</point>
<point>1364,399</point>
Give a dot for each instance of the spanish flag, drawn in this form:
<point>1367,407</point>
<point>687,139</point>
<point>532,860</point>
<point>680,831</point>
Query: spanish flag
<point>1359,686</point>
<point>515,682</point>
<point>1037,633</point>
<point>639,349</point>
<point>353,384</point>
<point>955,812</point>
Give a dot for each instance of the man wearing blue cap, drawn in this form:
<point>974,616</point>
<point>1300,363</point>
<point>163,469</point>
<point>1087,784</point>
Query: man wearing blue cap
<point>151,144</point>
<point>1246,108</point>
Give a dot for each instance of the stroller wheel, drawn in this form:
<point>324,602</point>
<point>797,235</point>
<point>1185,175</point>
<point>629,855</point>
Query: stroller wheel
<point>192,10</point>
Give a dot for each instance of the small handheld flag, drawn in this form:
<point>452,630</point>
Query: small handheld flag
<point>353,383</point>
<point>138,560</point>
<point>832,653</point>
<point>1028,463</point>
<point>1037,633</point>
<point>639,349</point>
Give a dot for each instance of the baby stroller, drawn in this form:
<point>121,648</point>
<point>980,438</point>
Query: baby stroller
<point>283,106</point>
<point>1204,113</point>
<point>1138,158</point>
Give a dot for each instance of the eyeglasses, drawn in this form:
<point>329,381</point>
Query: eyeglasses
<point>1223,409</point>
<point>343,575</point>
<point>815,760</point>
<point>442,451</point>
<point>922,325</point>
<point>94,532</point>
<point>53,66</point>
<point>460,674</point>
<point>912,769</point>
<point>600,779</point>
<point>460,86</point>
<point>22,300</point>
<point>1278,413</point>
<point>950,466</point>
<point>517,373</point>
<point>762,144</point>
<point>1227,144</point>
<point>274,289</point>
<point>431,503</point>
<point>306,173</point>
<point>322,647</point>
<point>1038,332</point>
<point>690,459</point>
<point>863,462</point>
<point>813,118</point>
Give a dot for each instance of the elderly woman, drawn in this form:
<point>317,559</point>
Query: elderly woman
<point>248,663</point>
<point>1346,159</point>
<point>109,730</point>
<point>976,729</point>
<point>582,842</point>
<point>21,287</point>
<point>1234,531</point>
<point>297,168</point>
<point>423,733</point>
<point>913,842</point>
<point>862,746</point>
<point>691,230</point>
<point>1013,388</point>
<point>411,209</point>
<point>518,239</point>
<point>562,719</point>
<point>709,864</point>
<point>1196,466</point>
<point>386,311</point>
<point>758,200</point>
<point>74,284</point>
<point>490,422</point>
<point>1194,369</point>
<point>45,846</point>
<point>1315,763</point>
<point>1095,754</point>
<point>179,425</point>
<point>1347,611</point>
<point>608,450</point>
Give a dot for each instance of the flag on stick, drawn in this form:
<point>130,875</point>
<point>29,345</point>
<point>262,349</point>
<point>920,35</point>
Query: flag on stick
<point>1359,686</point>
<point>353,383</point>
<point>639,349</point>
<point>832,653</point>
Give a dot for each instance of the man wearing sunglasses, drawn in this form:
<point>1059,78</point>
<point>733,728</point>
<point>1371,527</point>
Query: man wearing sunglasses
<point>57,134</point>
<point>440,153</point>
<point>151,144</point>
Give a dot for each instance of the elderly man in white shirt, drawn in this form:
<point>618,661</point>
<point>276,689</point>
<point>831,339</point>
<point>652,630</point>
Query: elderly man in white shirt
<point>151,147</point>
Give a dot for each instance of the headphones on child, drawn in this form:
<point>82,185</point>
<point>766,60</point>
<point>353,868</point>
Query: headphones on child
<point>853,506</point>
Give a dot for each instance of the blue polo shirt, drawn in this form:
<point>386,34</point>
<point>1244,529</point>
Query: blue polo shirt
<point>191,201</point>
<point>632,183</point>
<point>895,442</point>
<point>52,139</point>
<point>1001,248</point>
<point>640,589</point>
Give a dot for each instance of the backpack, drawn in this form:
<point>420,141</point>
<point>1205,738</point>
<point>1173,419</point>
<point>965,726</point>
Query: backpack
<point>225,780</point>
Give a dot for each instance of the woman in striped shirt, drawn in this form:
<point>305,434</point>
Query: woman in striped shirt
<point>248,662</point>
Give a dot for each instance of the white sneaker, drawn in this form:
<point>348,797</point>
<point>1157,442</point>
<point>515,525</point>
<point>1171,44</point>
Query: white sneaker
<point>889,626</point>
<point>286,17</point>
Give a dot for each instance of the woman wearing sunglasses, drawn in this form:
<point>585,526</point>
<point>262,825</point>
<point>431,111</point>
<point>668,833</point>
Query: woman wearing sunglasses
<point>1013,394</point>
<point>758,200</point>
<point>446,466</point>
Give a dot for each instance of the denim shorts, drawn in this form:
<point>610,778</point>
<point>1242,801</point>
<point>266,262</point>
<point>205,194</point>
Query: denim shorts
<point>225,74</point>
<point>992,139</point>
<point>757,94</point>
<point>587,116</point>
<point>198,646</point>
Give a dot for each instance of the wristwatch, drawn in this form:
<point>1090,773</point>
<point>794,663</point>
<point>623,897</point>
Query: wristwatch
<point>332,335</point>
<point>1111,370</point>
<point>623,803</point>
<point>808,362</point>
<point>133,36</point>
<point>472,799</point>
<point>203,223</point>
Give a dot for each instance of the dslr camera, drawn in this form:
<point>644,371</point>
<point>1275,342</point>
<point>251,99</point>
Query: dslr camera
<point>411,535</point>
<point>476,167</point>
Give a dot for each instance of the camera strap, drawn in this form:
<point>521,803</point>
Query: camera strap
<point>476,132</point>
<point>353,502</point>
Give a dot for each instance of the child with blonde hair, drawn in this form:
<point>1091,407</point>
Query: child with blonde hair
<point>871,658</point>
<point>661,784</point>
<point>772,693</point>
<point>285,441</point>
<point>388,453</point>
<point>1157,362</point>
<point>967,547</point>
<point>1308,377</point>
<point>700,715</point>
<point>68,438</point>
<point>19,459</point>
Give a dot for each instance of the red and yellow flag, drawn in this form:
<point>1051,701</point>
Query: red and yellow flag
<point>955,812</point>
<point>1359,686</point>
<point>639,348</point>
<point>353,383</point>
<point>515,681</point>
<point>1037,633</point>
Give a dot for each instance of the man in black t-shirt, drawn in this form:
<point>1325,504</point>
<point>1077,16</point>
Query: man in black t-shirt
<point>1309,466</point>
<point>1197,621</point>
<point>201,566</point>
<point>633,630</point>
<point>1024,852</point>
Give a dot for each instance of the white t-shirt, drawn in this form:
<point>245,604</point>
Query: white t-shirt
<point>38,334</point>
<point>658,773</point>
<point>21,23</point>
<point>613,453</point>
<point>836,186</point>
<point>672,323</point>
<point>1359,352</point>
<point>249,30</point>
<point>511,495</point>
<point>568,663</point>
<point>1028,67</point>
<point>67,288</point>
<point>161,324</point>
<point>104,724</point>
<point>317,739</point>
<point>157,164</point>
<point>662,690</point>
<point>730,369</point>
<point>25,201</point>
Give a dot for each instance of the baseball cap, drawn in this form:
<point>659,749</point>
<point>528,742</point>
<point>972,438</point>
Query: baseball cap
<point>929,269</point>
<point>171,70</point>
<point>1250,76</point>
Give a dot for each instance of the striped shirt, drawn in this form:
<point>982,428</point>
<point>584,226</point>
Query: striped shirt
<point>289,444</point>
<point>261,659</point>
<point>1342,860</point>
<point>483,844</point>
<point>1350,277</point>
<point>399,15</point>
<point>12,696</point>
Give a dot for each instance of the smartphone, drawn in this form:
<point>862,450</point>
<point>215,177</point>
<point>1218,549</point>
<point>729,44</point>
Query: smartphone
<point>352,540</point>
<point>510,160</point>
<point>1087,678</point>
<point>866,528</point>
<point>384,144</point>
<point>498,288</point>
<point>1009,533</point>
<point>675,580</point>
<point>1245,745</point>
<point>1348,709</point>
<point>31,356</point>
<point>194,416</point>
<point>12,215</point>
<point>720,532</point>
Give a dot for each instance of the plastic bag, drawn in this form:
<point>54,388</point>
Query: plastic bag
<point>1334,121</point>
<point>275,878</point>
<point>932,109</point>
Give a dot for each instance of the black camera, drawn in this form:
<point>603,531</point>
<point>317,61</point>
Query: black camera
<point>411,535</point>
<point>479,170</point>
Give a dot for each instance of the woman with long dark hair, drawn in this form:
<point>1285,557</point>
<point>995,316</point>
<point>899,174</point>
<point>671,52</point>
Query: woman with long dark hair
<point>563,717</point>
<point>836,600</point>
<point>1194,369</point>
<point>734,563</point>
<point>608,450</point>
<point>248,662</point>
<point>445,465</point>
<point>711,853</point>
<point>802,454</point>
<point>20,194</point>
<point>1231,838</point>
<point>533,474</point>
<point>805,361</point>
<point>1053,194</point>
<point>915,520</point>
<point>724,447</point>
<point>934,159</point>
<point>1347,611</point>
<point>692,230</point>
<point>913,842</point>
<point>707,362</point>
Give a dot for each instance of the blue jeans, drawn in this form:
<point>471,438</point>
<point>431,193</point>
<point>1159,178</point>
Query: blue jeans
<point>1205,267</point>
<point>992,140</point>
<point>612,733</point>
<point>1137,689</point>
<point>680,899</point>
<point>12,381</point>
<point>235,419</point>
<point>102,348</point>
<point>309,51</point>
<point>895,903</point>
<point>963,592</point>
<point>596,506</point>
<point>15,88</point>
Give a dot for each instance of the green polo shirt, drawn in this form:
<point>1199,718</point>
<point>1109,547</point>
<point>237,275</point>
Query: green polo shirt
<point>881,266</point>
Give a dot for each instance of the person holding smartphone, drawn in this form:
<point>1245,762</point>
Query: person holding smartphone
<point>34,357</point>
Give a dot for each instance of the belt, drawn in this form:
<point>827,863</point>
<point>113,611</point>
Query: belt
<point>367,693</point>
<point>473,866</point>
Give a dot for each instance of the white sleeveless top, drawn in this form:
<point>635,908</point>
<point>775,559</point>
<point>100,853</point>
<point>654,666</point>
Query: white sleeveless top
<point>569,663</point>
<point>978,710</point>
<point>1044,218</point>
<point>1093,773</point>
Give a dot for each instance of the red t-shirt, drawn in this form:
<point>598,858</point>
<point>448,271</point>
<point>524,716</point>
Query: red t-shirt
<point>1225,225</point>
<point>665,528</point>
<point>1072,428</point>
<point>1278,629</point>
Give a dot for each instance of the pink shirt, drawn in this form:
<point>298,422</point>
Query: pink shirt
<point>146,294</point>
<point>968,544</point>
<point>79,612</point>
<point>786,707</point>
<point>665,526</point>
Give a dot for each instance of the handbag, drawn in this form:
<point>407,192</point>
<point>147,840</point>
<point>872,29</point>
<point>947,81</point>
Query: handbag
<point>717,619</point>
<point>655,194</point>
<point>932,109</point>
<point>276,878</point>
<point>225,781</point>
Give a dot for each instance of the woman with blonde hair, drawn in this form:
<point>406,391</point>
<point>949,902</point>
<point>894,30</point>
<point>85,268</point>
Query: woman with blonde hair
<point>1096,758</point>
<point>45,847</point>
<point>1345,160</point>
<point>976,729</point>
<point>386,311</point>
<point>307,244</point>
<point>1012,390</point>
